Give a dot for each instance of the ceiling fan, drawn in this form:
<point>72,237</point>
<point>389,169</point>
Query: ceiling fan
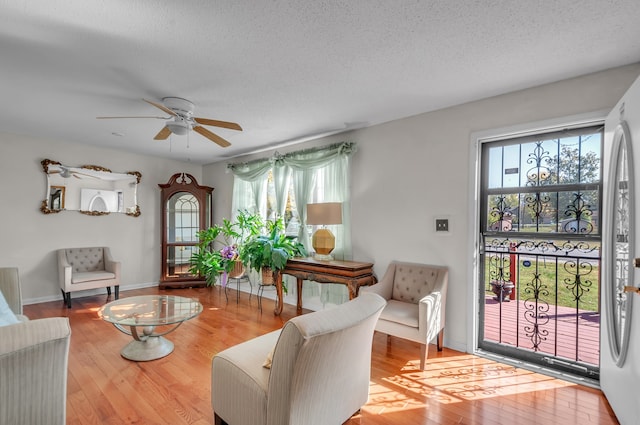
<point>181,120</point>
<point>66,172</point>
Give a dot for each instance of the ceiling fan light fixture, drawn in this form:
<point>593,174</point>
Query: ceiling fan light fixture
<point>178,127</point>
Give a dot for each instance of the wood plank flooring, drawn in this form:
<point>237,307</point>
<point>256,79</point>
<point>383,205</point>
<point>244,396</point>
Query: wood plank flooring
<point>456,388</point>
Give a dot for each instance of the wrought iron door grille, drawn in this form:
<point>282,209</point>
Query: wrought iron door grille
<point>541,249</point>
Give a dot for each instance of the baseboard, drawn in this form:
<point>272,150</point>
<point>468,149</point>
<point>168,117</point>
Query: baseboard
<point>87,293</point>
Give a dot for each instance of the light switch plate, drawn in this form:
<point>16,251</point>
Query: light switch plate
<point>442,224</point>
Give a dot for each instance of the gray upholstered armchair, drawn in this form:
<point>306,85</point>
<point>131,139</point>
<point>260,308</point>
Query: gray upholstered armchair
<point>80,269</point>
<point>319,374</point>
<point>416,297</point>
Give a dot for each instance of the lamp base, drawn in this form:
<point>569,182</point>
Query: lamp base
<point>322,257</point>
<point>323,242</point>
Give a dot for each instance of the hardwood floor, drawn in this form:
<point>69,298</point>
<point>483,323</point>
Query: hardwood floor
<point>456,388</point>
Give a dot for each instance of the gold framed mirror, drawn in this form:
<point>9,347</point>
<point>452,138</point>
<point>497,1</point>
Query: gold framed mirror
<point>89,189</point>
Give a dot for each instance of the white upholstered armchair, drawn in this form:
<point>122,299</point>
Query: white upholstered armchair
<point>80,269</point>
<point>33,362</point>
<point>33,372</point>
<point>319,374</point>
<point>10,288</point>
<point>416,297</point>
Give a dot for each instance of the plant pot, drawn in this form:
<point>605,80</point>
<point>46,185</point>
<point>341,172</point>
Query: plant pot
<point>237,271</point>
<point>267,276</point>
<point>502,289</point>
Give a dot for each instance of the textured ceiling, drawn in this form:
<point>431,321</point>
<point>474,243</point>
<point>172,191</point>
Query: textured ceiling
<point>284,70</point>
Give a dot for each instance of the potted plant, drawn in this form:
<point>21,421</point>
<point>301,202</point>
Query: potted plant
<point>220,247</point>
<point>269,253</point>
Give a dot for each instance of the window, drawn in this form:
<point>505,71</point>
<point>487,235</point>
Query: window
<point>308,176</point>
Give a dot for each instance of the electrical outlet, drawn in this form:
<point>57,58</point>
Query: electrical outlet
<point>442,224</point>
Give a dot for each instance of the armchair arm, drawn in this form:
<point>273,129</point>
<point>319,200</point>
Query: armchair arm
<point>64,269</point>
<point>431,313</point>
<point>10,288</point>
<point>384,287</point>
<point>110,264</point>
<point>33,363</point>
<point>429,316</point>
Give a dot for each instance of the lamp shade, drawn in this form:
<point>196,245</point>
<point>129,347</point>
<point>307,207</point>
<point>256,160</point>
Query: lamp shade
<point>324,213</point>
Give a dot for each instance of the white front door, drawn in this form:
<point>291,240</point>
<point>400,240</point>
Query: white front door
<point>619,370</point>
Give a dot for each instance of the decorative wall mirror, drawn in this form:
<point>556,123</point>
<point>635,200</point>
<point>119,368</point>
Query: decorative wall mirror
<point>89,189</point>
<point>622,210</point>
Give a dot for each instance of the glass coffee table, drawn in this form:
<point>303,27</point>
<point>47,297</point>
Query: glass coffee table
<point>139,316</point>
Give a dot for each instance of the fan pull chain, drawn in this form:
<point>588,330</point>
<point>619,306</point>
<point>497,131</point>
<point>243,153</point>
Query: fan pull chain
<point>188,138</point>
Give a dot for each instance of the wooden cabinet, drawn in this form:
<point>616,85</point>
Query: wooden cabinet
<point>186,209</point>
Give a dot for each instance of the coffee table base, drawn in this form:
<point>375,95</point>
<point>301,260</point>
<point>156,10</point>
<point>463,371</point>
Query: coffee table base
<point>152,348</point>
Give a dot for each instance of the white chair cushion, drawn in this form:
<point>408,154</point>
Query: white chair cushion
<point>401,312</point>
<point>80,277</point>
<point>7,316</point>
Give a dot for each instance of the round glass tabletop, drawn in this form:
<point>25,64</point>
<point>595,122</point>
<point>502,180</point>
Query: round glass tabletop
<point>150,310</point>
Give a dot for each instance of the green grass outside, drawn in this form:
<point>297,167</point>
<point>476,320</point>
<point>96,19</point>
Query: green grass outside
<point>565,281</point>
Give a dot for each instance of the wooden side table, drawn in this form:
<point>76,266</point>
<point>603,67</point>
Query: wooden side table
<point>351,273</point>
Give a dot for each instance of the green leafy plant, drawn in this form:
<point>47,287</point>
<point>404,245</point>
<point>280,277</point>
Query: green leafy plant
<point>271,250</point>
<point>220,245</point>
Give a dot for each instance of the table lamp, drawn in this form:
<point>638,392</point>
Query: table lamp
<point>323,241</point>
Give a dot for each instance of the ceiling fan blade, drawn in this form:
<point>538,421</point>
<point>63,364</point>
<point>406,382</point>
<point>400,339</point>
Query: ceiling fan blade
<point>223,124</point>
<point>162,107</point>
<point>211,136</point>
<point>163,134</point>
<point>109,118</point>
<point>78,173</point>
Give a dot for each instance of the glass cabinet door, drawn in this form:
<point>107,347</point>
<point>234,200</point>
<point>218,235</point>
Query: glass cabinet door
<point>186,211</point>
<point>183,224</point>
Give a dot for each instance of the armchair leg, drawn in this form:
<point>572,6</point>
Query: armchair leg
<point>424,352</point>
<point>108,291</point>
<point>66,298</point>
<point>217,420</point>
<point>117,291</point>
<point>440,339</point>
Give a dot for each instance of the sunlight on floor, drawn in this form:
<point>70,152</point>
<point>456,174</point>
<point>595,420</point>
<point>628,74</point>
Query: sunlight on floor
<point>452,380</point>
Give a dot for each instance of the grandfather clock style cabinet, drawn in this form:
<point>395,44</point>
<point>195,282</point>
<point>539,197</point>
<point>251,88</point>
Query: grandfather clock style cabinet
<point>186,209</point>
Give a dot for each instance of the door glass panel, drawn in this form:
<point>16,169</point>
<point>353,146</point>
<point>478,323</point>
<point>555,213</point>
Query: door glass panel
<point>178,260</point>
<point>183,218</point>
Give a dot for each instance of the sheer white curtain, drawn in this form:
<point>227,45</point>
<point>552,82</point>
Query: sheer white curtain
<point>281,181</point>
<point>303,183</point>
<point>336,184</point>
<point>331,163</point>
<point>250,186</point>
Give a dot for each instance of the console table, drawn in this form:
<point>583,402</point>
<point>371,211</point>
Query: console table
<point>351,273</point>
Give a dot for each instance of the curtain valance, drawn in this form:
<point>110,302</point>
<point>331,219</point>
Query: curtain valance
<point>300,160</point>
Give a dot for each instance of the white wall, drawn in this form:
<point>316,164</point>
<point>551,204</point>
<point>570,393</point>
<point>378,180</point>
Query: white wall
<point>408,171</point>
<point>30,238</point>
